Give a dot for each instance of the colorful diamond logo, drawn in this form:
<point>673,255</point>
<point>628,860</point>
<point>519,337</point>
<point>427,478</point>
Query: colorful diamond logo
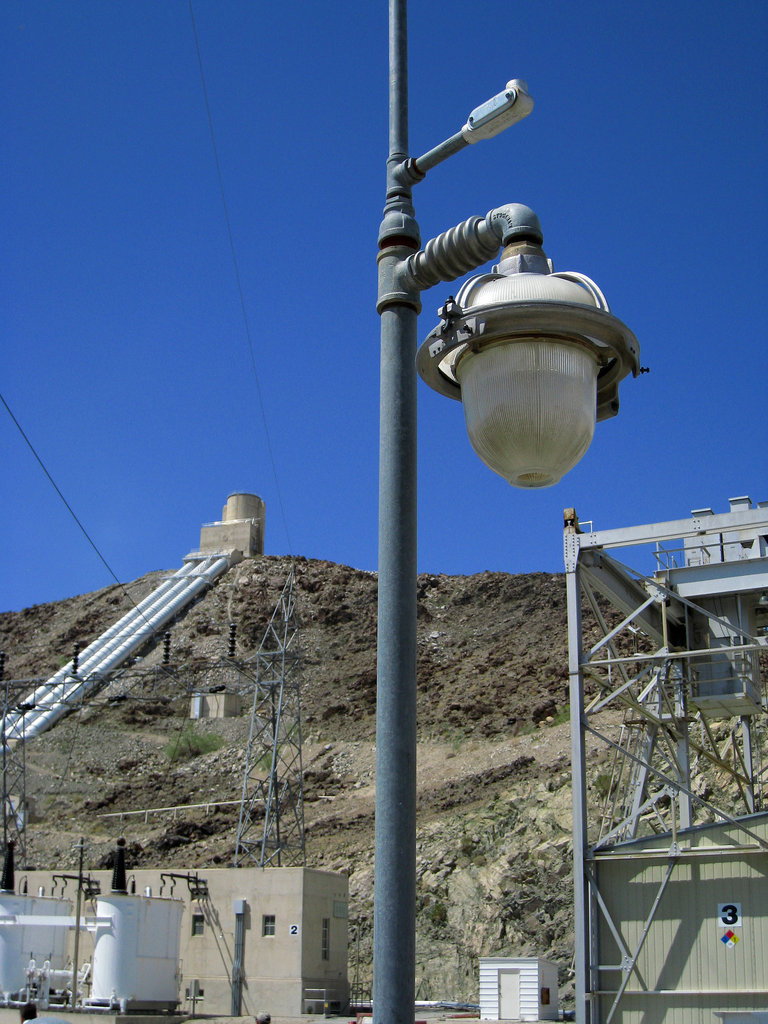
<point>730,939</point>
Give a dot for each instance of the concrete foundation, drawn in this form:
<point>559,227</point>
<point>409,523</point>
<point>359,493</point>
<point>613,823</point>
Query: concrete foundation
<point>215,705</point>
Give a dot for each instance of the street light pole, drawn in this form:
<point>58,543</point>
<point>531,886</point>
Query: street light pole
<point>395,851</point>
<point>399,304</point>
<point>535,357</point>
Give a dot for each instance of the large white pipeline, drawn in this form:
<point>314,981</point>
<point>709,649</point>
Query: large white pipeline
<point>93,657</point>
<point>55,698</point>
<point>57,685</point>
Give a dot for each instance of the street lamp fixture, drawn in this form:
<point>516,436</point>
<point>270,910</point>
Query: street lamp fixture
<point>534,356</point>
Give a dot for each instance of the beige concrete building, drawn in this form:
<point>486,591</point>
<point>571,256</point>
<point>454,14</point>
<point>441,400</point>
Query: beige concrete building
<point>286,926</point>
<point>215,705</point>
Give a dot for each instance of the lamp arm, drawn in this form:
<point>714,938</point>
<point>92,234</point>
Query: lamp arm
<point>411,172</point>
<point>467,246</point>
<point>505,109</point>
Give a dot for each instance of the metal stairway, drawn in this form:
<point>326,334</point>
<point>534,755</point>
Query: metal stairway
<point>66,690</point>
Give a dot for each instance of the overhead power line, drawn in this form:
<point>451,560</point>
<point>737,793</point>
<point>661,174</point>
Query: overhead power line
<point>58,491</point>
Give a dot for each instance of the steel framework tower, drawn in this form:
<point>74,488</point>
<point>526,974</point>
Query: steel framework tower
<point>271,826</point>
<point>669,699</point>
<point>14,774</point>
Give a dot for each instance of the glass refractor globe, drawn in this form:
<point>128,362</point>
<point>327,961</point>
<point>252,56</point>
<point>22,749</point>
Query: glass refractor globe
<point>530,407</point>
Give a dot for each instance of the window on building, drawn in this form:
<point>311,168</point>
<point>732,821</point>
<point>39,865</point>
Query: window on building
<point>326,944</point>
<point>198,924</point>
<point>268,924</point>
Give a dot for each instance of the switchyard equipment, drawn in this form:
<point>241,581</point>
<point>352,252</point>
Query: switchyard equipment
<point>671,836</point>
<point>30,927</point>
<point>136,941</point>
<point>273,940</point>
<point>270,831</point>
<point>135,946</point>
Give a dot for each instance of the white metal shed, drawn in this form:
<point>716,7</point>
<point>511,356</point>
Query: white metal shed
<point>517,988</point>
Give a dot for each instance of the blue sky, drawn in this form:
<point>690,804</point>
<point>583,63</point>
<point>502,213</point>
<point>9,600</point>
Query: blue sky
<point>125,356</point>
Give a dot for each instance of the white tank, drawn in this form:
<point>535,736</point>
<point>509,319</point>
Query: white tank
<point>29,931</point>
<point>136,949</point>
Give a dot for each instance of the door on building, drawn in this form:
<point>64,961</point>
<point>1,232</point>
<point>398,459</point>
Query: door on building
<point>509,995</point>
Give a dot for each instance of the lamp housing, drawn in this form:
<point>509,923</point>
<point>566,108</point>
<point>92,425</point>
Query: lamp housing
<point>536,358</point>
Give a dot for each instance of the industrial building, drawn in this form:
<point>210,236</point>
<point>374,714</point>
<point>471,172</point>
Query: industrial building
<point>671,837</point>
<point>220,941</point>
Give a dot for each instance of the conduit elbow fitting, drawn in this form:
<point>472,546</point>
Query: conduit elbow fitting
<point>408,173</point>
<point>515,222</point>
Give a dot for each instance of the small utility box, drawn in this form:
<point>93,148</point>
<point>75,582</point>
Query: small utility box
<point>517,988</point>
<point>215,705</point>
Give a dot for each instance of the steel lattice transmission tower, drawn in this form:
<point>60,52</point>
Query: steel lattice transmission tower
<point>14,775</point>
<point>271,827</point>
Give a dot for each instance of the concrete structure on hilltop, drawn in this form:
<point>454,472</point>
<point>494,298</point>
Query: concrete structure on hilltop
<point>241,527</point>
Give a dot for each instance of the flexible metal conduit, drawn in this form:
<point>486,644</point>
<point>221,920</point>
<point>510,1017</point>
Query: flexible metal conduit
<point>55,698</point>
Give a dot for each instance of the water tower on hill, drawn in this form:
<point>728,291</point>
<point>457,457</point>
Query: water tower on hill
<point>241,527</point>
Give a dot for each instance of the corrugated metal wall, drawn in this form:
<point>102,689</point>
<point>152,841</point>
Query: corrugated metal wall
<point>684,959</point>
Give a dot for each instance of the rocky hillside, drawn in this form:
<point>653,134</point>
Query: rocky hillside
<point>494,780</point>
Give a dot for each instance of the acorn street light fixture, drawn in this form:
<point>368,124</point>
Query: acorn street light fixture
<point>536,358</point>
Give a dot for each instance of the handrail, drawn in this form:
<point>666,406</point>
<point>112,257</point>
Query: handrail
<point>208,804</point>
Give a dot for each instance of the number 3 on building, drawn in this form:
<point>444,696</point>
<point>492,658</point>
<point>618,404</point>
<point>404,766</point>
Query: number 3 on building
<point>729,914</point>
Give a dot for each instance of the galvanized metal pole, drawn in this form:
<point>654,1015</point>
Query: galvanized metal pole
<point>582,950</point>
<point>581,939</point>
<point>399,303</point>
<point>395,852</point>
<point>78,905</point>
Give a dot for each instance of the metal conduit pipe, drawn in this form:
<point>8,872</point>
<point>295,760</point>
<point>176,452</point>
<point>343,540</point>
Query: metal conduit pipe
<point>161,613</point>
<point>56,703</point>
<point>469,245</point>
<point>45,691</point>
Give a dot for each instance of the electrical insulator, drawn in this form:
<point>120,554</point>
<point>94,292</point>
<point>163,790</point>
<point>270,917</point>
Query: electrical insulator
<point>166,648</point>
<point>2,664</point>
<point>75,659</point>
<point>232,634</point>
